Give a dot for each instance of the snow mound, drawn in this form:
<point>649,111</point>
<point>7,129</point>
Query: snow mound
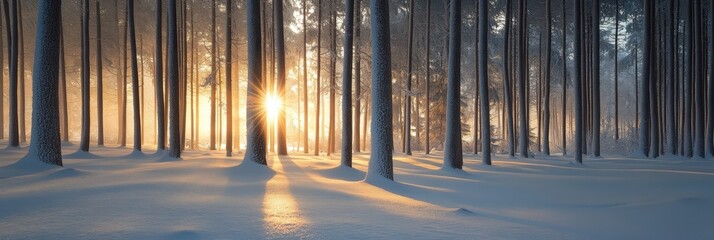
<point>79,154</point>
<point>343,173</point>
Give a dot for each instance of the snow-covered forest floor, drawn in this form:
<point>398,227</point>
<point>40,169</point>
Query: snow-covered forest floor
<point>112,194</point>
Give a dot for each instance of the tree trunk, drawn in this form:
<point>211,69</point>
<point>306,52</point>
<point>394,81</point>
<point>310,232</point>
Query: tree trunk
<point>255,117</point>
<point>523,78</point>
<point>699,79</point>
<point>2,87</point>
<point>507,83</point>
<point>408,109</point>
<point>64,120</point>
<point>280,55</point>
<point>596,77</point>
<point>483,80</point>
<point>346,156</point>
<point>710,91</point>
<point>134,77</point>
<point>565,84</point>
<point>100,88</point>
<point>453,155</point>
<point>546,88</point>
<point>214,71</point>
<point>45,145</point>
<point>84,143</point>
<point>358,76</point>
<point>21,83</point>
<point>306,143</point>
<point>428,78</point>
<point>333,76</point>
<point>577,86</point>
<point>645,105</point>
<point>380,161</point>
<point>319,71</point>
<point>174,150</point>
<point>229,78</point>
<point>159,82</point>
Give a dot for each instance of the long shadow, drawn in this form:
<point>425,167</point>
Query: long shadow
<point>245,180</point>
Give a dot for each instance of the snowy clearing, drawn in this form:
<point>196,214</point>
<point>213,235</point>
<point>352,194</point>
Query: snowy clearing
<point>111,194</point>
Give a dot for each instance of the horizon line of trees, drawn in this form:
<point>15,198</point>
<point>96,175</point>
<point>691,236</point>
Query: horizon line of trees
<point>674,98</point>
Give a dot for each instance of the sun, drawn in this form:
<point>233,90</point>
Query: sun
<point>272,106</point>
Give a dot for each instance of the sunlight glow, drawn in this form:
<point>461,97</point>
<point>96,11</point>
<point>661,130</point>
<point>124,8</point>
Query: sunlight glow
<point>272,105</point>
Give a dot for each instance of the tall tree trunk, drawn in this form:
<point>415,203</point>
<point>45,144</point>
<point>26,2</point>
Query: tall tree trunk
<point>159,81</point>
<point>45,146</point>
<point>699,79</point>
<point>358,76</point>
<point>21,84</point>
<point>280,64</point>
<point>408,109</point>
<point>380,160</point>
<point>577,86</point>
<point>546,88</point>
<point>523,78</point>
<point>507,83</point>
<point>483,80</point>
<point>671,135</point>
<point>134,77</point>
<point>617,72</point>
<point>306,143</point>
<point>64,120</point>
<point>596,77</point>
<point>453,155</point>
<point>229,78</point>
<point>214,71</point>
<point>122,115</point>
<point>13,134</point>
<point>174,150</point>
<point>255,117</point>
<point>100,88</point>
<point>2,86</point>
<point>333,77</point>
<point>710,91</point>
<point>318,91</point>
<point>346,156</point>
<point>565,83</point>
<point>84,143</point>
<point>427,90</point>
<point>645,105</point>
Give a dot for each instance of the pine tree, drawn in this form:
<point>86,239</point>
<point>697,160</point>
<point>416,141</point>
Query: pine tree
<point>213,76</point>
<point>596,77</point>
<point>483,81</point>
<point>380,160</point>
<point>645,94</point>
<point>318,91</point>
<point>546,88</point>
<point>100,88</point>
<point>358,76</point>
<point>280,64</point>
<point>453,155</point>
<point>577,86</point>
<point>229,78</point>
<point>408,109</point>
<point>524,132</point>
<point>427,91</point>
<point>134,76</point>
<point>306,143</point>
<point>45,145</point>
<point>507,83</point>
<point>159,82</point>
<point>84,143</point>
<point>255,117</point>
<point>346,155</point>
<point>174,150</point>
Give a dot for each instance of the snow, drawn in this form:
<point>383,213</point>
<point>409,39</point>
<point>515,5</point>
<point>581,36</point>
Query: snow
<point>206,195</point>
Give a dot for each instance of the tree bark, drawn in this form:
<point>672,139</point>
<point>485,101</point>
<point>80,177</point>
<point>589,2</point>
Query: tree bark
<point>546,88</point>
<point>645,103</point>
<point>507,83</point>
<point>428,78</point>
<point>254,114</point>
<point>319,73</point>
<point>453,155</point>
<point>596,77</point>
<point>346,156</point>
<point>380,161</point>
<point>174,150</point>
<point>45,145</point>
<point>577,86</point>
<point>84,143</point>
<point>280,57</point>
<point>523,78</point>
<point>214,71</point>
<point>100,88</point>
<point>408,109</point>
<point>483,80</point>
